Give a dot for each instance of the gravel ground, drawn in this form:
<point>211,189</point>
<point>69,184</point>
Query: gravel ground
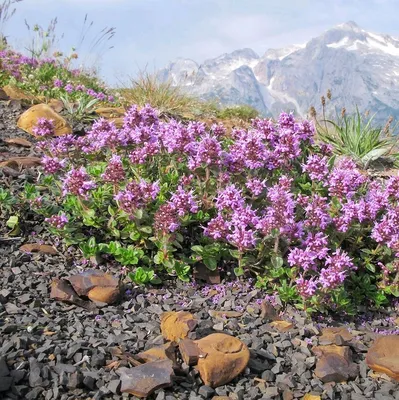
<point>51,350</point>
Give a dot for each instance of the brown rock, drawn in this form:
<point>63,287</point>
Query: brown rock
<point>107,295</point>
<point>309,396</point>
<point>38,248</point>
<point>164,352</point>
<point>28,120</point>
<point>332,336</point>
<point>201,272</point>
<point>226,357</point>
<point>56,105</point>
<point>15,93</point>
<point>268,311</point>
<point>62,290</point>
<point>21,162</point>
<point>118,122</point>
<point>225,314</point>
<point>145,379</point>
<point>334,363</point>
<point>282,326</point>
<point>221,398</point>
<point>19,142</point>
<point>96,285</point>
<point>383,356</point>
<point>190,352</point>
<point>177,325</point>
<point>110,112</point>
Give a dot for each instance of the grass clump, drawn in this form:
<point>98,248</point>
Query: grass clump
<point>355,135</point>
<point>170,100</point>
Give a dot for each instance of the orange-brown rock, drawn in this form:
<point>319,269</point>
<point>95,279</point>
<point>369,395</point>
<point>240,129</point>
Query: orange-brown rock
<point>96,285</point>
<point>28,120</point>
<point>113,114</point>
<point>63,291</point>
<point>334,363</point>
<point>110,112</point>
<point>177,325</point>
<point>310,396</point>
<point>21,162</point>
<point>108,294</point>
<point>224,314</point>
<point>335,335</point>
<point>15,93</point>
<point>38,248</point>
<point>226,357</point>
<point>282,326</point>
<point>383,356</point>
<point>56,105</point>
<point>190,352</point>
<point>18,142</point>
<point>164,352</point>
<point>145,379</point>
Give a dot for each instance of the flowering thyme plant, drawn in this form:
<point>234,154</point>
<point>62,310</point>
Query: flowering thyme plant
<point>267,200</point>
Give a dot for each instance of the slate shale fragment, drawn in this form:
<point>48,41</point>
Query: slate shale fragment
<point>144,380</point>
<point>383,356</point>
<point>335,364</point>
<point>98,286</point>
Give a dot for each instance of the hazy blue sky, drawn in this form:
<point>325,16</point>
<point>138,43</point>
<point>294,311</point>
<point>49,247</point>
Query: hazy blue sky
<point>153,32</point>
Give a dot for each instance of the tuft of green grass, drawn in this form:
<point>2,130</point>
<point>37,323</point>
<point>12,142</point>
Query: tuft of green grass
<point>355,136</point>
<point>170,100</point>
<point>242,112</point>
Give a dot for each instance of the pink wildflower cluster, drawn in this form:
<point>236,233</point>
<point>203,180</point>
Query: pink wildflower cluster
<point>268,186</point>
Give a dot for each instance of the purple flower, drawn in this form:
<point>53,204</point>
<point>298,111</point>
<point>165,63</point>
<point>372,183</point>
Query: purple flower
<point>256,186</point>
<point>183,201</point>
<point>78,183</point>
<point>316,167</point>
<point>166,219</point>
<point>44,127</point>
<point>136,195</point>
<point>52,165</point>
<point>206,152</point>
<point>69,88</point>
<point>306,287</point>
<point>337,268</point>
<point>242,238</point>
<point>58,83</point>
<point>345,179</point>
<point>57,221</point>
<point>114,173</point>
<point>217,228</point>
<point>229,198</point>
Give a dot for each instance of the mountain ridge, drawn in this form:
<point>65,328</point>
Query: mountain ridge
<point>359,67</point>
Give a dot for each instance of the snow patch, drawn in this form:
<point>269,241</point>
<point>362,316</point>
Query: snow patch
<point>342,43</point>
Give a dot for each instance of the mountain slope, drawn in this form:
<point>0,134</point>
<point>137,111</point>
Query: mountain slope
<point>361,68</point>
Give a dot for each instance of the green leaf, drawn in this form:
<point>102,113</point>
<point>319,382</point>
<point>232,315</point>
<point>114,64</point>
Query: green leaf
<point>277,262</point>
<point>197,249</point>
<point>159,258</point>
<point>238,271</point>
<point>13,221</point>
<point>370,267</point>
<point>146,229</point>
<point>210,263</point>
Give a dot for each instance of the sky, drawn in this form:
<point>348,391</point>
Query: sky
<point>151,33</point>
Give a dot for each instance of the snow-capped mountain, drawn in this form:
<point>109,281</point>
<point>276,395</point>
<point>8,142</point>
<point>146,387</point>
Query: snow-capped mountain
<point>361,68</point>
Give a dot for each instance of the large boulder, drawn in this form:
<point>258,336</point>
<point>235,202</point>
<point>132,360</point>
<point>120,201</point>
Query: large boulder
<point>28,120</point>
<point>223,357</point>
<point>383,356</point>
